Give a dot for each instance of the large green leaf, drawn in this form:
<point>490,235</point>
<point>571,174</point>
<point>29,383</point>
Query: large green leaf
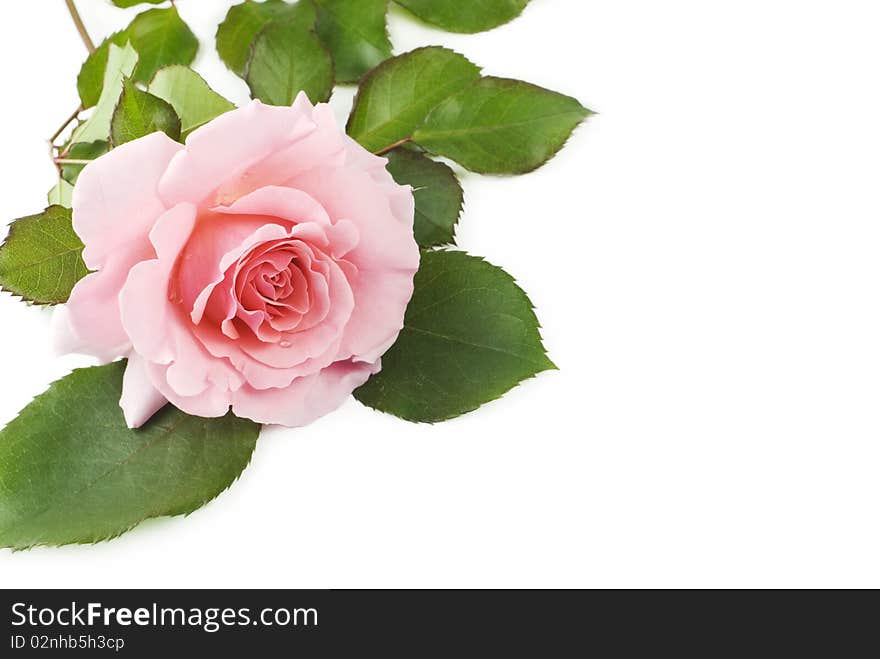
<point>72,472</point>
<point>159,36</point>
<point>468,17</point>
<point>437,193</point>
<point>469,336</point>
<point>41,259</point>
<point>140,113</point>
<point>244,21</point>
<point>500,126</point>
<point>190,96</point>
<point>81,151</point>
<point>395,97</point>
<point>288,58</point>
<point>355,33</point>
<point>121,62</point>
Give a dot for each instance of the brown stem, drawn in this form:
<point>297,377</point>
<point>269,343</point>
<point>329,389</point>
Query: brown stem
<point>66,123</point>
<point>393,146</point>
<point>80,27</point>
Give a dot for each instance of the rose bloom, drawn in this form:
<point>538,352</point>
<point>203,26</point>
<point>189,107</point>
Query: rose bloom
<point>264,266</point>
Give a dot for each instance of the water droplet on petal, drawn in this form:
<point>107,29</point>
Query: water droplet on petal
<point>285,344</point>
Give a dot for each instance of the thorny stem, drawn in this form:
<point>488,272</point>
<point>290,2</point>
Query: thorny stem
<point>80,27</point>
<point>393,146</point>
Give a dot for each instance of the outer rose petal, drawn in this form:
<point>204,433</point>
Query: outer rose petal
<point>90,321</point>
<point>115,204</point>
<point>143,300</point>
<point>140,399</point>
<point>249,148</point>
<point>115,201</point>
<point>306,399</point>
<point>211,403</point>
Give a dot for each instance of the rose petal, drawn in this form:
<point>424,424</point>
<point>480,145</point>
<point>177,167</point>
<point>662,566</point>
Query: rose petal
<point>144,299</point>
<point>214,166</point>
<point>386,256</point>
<point>211,403</point>
<point>115,201</point>
<point>140,400</point>
<point>90,322</point>
<point>277,202</point>
<point>306,398</point>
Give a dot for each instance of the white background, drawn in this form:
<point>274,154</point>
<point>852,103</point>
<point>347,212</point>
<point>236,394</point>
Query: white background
<point>704,258</point>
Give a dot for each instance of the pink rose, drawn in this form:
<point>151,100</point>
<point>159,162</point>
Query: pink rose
<point>265,266</point>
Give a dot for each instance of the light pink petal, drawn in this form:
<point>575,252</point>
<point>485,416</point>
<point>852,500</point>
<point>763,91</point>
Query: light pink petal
<point>146,303</point>
<point>64,339</point>
<point>172,231</point>
<point>217,164</point>
<point>256,374</point>
<point>326,145</point>
<point>115,201</point>
<point>194,370</point>
<point>385,228</point>
<point>159,327</point>
<point>140,399</point>
<point>306,399</point>
<point>400,197</point>
<point>90,321</point>
<point>211,403</point>
<point>344,237</point>
<point>386,256</point>
<point>278,202</point>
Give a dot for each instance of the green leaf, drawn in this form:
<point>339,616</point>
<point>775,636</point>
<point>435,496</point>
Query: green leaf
<point>469,336</point>
<point>395,97</point>
<point>140,113</point>
<point>500,126</point>
<point>120,64</point>
<point>355,33</point>
<point>160,38</point>
<point>41,259</point>
<point>467,17</point>
<point>71,472</point>
<point>90,80</point>
<point>287,58</point>
<point>61,194</point>
<point>131,3</point>
<point>81,151</point>
<point>437,192</point>
<point>190,96</point>
<point>244,21</point>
